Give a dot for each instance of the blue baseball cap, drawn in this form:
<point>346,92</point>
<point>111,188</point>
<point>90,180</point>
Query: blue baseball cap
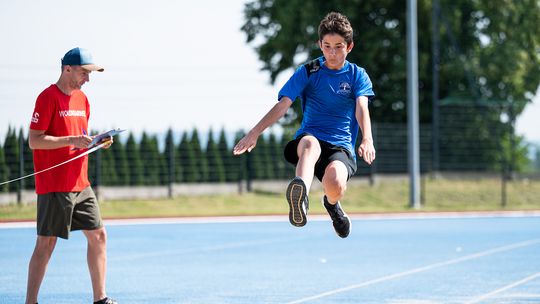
<point>82,57</point>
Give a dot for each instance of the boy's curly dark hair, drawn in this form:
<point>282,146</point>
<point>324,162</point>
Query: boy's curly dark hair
<point>336,23</point>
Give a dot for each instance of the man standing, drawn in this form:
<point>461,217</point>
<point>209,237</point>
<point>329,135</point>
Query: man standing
<point>66,202</point>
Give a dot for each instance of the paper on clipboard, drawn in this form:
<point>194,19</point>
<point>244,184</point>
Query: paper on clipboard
<point>100,137</point>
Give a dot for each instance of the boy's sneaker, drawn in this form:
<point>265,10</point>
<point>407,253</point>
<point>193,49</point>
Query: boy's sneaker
<point>107,300</point>
<point>340,220</point>
<point>298,202</point>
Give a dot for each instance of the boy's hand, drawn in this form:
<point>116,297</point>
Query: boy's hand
<point>366,150</point>
<point>247,143</point>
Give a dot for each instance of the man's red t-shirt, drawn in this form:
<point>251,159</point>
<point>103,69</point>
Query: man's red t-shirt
<point>61,115</point>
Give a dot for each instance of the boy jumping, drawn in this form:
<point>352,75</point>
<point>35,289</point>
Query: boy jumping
<point>335,95</point>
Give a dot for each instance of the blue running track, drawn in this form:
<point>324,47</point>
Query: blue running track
<point>397,260</point>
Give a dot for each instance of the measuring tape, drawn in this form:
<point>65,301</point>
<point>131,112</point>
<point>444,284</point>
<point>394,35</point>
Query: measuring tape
<point>60,164</point>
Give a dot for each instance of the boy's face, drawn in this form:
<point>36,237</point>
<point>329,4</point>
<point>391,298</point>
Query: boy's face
<point>335,50</point>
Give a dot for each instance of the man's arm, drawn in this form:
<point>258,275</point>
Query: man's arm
<point>250,140</point>
<point>366,150</point>
<point>37,139</point>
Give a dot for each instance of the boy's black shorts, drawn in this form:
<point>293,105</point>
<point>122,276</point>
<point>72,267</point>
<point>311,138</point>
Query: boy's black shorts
<point>329,153</point>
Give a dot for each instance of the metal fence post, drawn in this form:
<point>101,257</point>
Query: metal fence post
<point>435,90</point>
<point>412,105</point>
<point>21,168</point>
<point>373,167</point>
<point>171,171</point>
<point>504,180</point>
<point>512,121</point>
<point>98,174</point>
<point>249,172</point>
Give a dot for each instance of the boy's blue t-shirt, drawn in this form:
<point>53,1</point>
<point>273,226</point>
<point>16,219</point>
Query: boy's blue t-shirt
<point>329,101</point>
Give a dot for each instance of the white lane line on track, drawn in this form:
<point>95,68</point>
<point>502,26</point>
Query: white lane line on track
<point>504,288</point>
<point>284,218</point>
<point>176,220</point>
<point>418,270</point>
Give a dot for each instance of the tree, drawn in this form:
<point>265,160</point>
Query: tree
<point>169,157</point>
<point>241,161</point>
<point>200,157</point>
<point>477,39</point>
<point>134,159</point>
<point>4,171</point>
<point>263,159</point>
<point>28,156</point>
<point>118,150</point>
<point>161,161</point>
<point>277,160</point>
<point>289,170</point>
<point>92,168</point>
<point>229,164</point>
<point>187,159</point>
<point>108,168</point>
<point>256,166</point>
<point>11,154</point>
<point>537,158</point>
<point>179,170</point>
<point>151,159</point>
<point>216,171</point>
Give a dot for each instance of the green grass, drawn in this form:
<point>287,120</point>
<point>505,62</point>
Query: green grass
<point>385,196</point>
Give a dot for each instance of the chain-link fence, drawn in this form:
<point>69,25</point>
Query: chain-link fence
<point>471,142</point>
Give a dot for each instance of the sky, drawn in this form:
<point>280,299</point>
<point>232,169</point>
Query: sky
<point>175,64</point>
<point>169,64</point>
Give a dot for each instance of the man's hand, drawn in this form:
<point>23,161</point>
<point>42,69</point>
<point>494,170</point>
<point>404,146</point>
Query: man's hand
<point>247,143</point>
<point>80,141</point>
<point>108,142</point>
<point>366,150</point>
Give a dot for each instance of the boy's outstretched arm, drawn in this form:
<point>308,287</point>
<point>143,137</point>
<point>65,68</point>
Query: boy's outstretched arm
<point>248,142</point>
<point>366,150</point>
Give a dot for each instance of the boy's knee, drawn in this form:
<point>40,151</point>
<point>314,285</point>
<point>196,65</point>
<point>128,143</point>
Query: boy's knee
<point>335,190</point>
<point>310,145</point>
<point>335,185</point>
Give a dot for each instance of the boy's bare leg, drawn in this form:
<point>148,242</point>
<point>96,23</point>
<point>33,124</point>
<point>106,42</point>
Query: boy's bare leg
<point>335,181</point>
<point>334,184</point>
<point>308,151</point>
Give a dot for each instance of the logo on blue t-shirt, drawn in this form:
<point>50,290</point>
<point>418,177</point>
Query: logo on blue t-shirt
<point>344,88</point>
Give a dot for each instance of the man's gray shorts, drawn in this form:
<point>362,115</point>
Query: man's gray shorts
<point>58,213</point>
